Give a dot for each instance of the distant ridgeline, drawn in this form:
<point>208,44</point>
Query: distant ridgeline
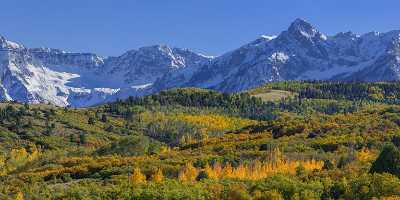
<point>385,92</point>
<point>307,96</point>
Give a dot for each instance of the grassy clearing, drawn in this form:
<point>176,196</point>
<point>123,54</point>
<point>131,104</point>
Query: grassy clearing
<point>274,95</point>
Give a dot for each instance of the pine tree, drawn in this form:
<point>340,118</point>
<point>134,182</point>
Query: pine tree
<point>91,121</point>
<point>26,106</point>
<point>29,124</point>
<point>82,138</point>
<point>104,118</point>
<point>202,175</point>
<point>71,138</point>
<point>387,161</point>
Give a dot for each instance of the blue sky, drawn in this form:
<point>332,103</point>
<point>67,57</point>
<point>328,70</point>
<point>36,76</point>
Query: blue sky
<point>110,27</point>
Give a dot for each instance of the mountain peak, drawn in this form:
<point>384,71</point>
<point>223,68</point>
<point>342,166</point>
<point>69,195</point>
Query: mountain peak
<point>301,24</point>
<point>3,42</point>
<point>157,47</point>
<point>300,21</point>
<point>6,44</point>
<point>301,27</point>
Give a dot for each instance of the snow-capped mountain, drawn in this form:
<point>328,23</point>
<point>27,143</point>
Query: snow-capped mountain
<point>299,53</point>
<point>84,79</point>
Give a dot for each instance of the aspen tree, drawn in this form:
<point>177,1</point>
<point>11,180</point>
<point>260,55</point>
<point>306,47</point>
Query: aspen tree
<point>188,173</point>
<point>19,196</point>
<point>228,170</point>
<point>157,176</point>
<point>137,176</point>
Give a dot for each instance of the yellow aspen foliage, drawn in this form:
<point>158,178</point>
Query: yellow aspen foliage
<point>17,158</point>
<point>365,155</point>
<point>212,173</point>
<point>19,196</point>
<point>240,171</point>
<point>217,167</point>
<point>227,171</point>
<point>390,198</point>
<point>137,176</point>
<point>34,153</point>
<point>188,173</point>
<point>259,170</point>
<point>157,176</point>
<point>212,122</point>
<point>165,149</point>
<point>18,155</point>
<point>274,155</point>
<point>2,165</point>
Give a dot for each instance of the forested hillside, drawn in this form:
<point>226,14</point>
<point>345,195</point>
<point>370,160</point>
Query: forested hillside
<point>320,140</point>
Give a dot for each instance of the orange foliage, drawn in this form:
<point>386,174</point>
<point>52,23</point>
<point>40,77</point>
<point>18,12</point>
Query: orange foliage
<point>259,170</point>
<point>157,176</point>
<point>188,173</point>
<point>365,155</point>
<point>137,176</point>
<point>253,171</point>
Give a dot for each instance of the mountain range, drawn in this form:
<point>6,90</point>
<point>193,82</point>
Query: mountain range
<point>44,75</point>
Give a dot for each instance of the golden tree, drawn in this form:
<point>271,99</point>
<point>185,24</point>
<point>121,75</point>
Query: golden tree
<point>188,173</point>
<point>157,176</point>
<point>227,171</point>
<point>19,196</point>
<point>259,170</point>
<point>137,176</point>
<point>211,172</point>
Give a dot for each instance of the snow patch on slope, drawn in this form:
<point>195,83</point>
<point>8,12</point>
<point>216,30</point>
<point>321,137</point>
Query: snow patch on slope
<point>279,57</point>
<point>269,37</point>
